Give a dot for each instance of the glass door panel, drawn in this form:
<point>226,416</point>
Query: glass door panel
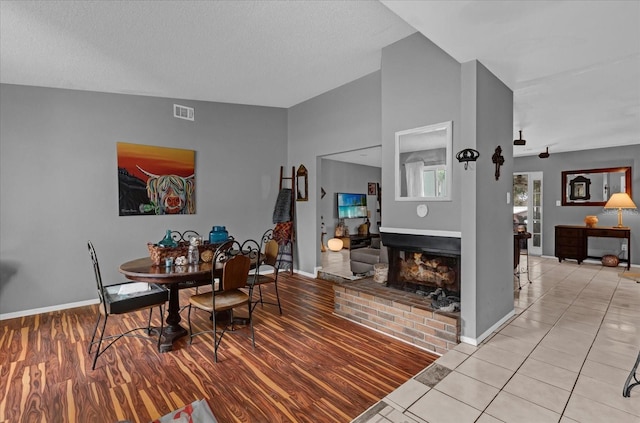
<point>527,208</point>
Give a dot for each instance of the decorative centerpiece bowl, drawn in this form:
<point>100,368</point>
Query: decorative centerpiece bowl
<point>591,221</point>
<point>610,260</point>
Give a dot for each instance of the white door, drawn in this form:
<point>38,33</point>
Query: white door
<point>527,208</point>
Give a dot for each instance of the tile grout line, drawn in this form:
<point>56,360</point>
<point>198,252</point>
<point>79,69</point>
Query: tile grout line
<point>591,346</point>
<point>561,283</point>
<point>536,345</point>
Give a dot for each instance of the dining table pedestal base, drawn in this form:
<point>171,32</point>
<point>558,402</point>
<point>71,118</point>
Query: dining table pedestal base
<point>174,278</point>
<point>173,330</point>
<point>170,334</point>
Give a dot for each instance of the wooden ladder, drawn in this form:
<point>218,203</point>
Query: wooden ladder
<point>291,178</point>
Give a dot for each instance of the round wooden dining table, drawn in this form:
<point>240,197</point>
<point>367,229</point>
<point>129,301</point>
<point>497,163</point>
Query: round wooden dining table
<point>144,270</point>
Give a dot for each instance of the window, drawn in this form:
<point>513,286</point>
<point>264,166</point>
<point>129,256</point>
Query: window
<point>433,178</point>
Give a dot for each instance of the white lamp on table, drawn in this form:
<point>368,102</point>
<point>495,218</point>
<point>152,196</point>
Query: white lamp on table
<point>620,200</point>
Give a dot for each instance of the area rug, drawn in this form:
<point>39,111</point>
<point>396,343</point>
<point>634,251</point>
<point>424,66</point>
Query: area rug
<point>630,275</point>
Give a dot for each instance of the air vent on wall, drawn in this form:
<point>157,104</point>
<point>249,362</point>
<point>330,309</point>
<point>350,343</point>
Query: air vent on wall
<point>183,112</point>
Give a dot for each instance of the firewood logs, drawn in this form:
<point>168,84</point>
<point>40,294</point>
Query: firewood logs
<point>420,267</point>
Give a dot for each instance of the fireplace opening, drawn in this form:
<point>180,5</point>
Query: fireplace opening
<point>428,266</point>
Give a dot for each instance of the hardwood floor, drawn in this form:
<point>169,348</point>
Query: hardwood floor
<point>308,366</point>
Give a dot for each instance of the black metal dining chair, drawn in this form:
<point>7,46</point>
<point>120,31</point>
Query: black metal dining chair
<point>122,299</point>
<point>267,270</point>
<point>226,294</point>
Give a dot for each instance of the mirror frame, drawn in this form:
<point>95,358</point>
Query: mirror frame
<point>447,127</point>
<point>571,197</point>
<point>302,184</point>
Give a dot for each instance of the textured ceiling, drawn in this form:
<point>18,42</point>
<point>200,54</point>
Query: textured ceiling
<point>270,53</point>
<point>574,66</point>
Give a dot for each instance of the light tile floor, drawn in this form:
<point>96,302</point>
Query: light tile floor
<point>337,263</point>
<point>563,357</point>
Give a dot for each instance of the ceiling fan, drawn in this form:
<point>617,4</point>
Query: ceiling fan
<point>520,141</point>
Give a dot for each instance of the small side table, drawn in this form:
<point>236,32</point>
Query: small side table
<point>626,389</point>
<point>517,252</point>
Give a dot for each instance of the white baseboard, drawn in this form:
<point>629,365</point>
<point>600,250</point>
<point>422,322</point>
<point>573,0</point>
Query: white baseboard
<point>307,274</point>
<point>476,341</point>
<point>592,261</point>
<point>49,309</point>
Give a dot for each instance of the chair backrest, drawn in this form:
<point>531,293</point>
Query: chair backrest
<point>185,236</point>
<point>266,237</point>
<point>271,250</point>
<point>235,272</point>
<point>225,250</point>
<point>96,270</point>
<point>251,248</point>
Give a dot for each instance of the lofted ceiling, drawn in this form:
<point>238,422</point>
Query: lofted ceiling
<point>574,66</point>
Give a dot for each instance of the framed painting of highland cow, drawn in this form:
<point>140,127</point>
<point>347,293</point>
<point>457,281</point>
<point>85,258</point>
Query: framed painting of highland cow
<point>155,180</point>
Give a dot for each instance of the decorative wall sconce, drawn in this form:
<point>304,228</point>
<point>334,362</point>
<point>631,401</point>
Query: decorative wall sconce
<point>498,159</point>
<point>302,184</point>
<point>467,155</point>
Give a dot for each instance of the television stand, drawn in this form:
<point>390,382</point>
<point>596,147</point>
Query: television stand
<point>356,241</point>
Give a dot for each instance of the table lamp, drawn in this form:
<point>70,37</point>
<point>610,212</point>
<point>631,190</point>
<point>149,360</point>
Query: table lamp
<point>335,244</point>
<point>620,200</point>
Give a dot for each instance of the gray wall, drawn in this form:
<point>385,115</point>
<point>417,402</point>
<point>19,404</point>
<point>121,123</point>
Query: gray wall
<point>346,118</point>
<point>420,86</point>
<point>487,234</point>
<point>58,183</point>
<point>574,215</point>
<point>346,177</point>
<point>494,216</point>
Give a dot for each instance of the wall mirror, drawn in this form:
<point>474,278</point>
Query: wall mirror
<point>423,163</point>
<point>593,187</point>
<point>302,184</point>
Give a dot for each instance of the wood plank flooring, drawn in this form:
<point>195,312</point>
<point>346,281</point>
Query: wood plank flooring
<point>308,366</point>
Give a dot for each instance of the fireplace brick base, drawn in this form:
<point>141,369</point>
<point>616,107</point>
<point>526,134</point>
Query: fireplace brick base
<point>403,315</point>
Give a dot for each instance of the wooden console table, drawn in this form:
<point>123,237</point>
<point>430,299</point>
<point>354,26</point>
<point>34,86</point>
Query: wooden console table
<point>572,241</point>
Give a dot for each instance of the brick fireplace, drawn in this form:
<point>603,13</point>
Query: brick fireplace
<point>424,274</point>
<point>428,265</point>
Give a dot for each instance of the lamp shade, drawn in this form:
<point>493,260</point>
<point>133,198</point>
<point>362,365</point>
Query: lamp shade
<point>620,200</point>
<point>335,244</point>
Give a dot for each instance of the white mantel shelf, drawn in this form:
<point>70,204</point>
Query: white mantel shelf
<point>428,232</point>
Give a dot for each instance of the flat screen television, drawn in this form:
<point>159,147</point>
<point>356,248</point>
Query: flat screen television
<point>351,206</point>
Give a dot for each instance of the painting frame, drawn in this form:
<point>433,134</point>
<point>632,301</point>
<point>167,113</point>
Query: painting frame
<point>372,188</point>
<point>155,180</point>
<point>579,188</point>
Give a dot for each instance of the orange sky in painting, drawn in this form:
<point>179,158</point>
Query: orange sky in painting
<point>157,160</point>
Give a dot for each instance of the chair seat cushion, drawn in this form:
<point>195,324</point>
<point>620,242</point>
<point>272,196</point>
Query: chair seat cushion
<point>127,297</point>
<point>224,300</point>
